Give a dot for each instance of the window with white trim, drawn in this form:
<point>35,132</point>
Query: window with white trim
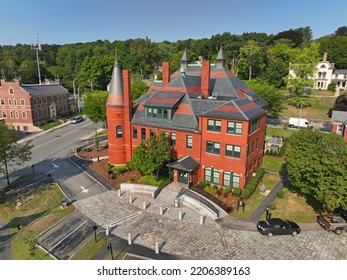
<point>232,151</point>
<point>234,128</point>
<point>214,125</point>
<point>212,147</point>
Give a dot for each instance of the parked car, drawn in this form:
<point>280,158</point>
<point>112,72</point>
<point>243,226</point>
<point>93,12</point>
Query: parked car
<point>278,226</point>
<point>333,222</point>
<point>77,119</point>
<point>299,122</point>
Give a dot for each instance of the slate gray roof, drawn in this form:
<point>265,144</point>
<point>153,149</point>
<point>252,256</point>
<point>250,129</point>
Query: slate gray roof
<point>163,99</point>
<point>186,163</point>
<point>229,98</point>
<point>239,109</point>
<point>42,90</point>
<point>339,116</point>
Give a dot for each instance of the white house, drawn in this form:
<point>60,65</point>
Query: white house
<point>326,73</point>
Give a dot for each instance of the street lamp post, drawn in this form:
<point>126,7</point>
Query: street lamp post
<point>33,168</point>
<point>300,115</point>
<point>109,248</point>
<point>95,228</point>
<point>49,178</point>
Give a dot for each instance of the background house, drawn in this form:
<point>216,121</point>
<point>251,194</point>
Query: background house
<point>24,106</point>
<point>326,73</point>
<point>339,126</point>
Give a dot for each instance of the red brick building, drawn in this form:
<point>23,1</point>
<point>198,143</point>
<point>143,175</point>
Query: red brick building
<point>24,106</point>
<point>215,123</point>
<point>339,123</point>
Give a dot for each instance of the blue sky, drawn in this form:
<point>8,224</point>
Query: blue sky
<point>72,21</point>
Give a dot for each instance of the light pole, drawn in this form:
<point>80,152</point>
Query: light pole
<point>95,228</point>
<point>300,114</point>
<point>109,248</point>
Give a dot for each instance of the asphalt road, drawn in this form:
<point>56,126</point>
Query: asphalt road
<point>53,148</point>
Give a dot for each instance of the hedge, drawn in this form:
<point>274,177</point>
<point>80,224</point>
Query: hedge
<point>237,191</point>
<point>246,193</point>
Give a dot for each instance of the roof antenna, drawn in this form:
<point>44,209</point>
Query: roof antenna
<point>37,47</point>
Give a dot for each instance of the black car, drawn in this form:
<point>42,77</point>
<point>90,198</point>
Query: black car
<point>77,119</point>
<point>278,226</point>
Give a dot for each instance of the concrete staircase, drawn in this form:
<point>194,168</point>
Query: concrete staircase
<point>168,194</point>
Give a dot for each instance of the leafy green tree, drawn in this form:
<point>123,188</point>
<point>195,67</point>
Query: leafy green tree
<point>95,72</point>
<point>297,36</point>
<point>273,96</point>
<point>151,155</point>
<point>304,62</point>
<point>317,166</point>
<point>94,105</point>
<point>251,60</point>
<point>340,104</point>
<point>10,152</point>
<point>278,58</point>
<point>336,47</point>
<point>138,88</point>
<point>341,31</point>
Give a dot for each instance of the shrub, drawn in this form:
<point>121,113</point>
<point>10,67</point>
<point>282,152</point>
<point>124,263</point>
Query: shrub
<point>119,170</point>
<point>213,187</point>
<point>237,192</point>
<point>201,183</point>
<point>213,191</point>
<point>280,194</point>
<point>246,193</point>
<point>109,165</point>
<point>150,180</point>
<point>227,189</point>
<point>272,206</point>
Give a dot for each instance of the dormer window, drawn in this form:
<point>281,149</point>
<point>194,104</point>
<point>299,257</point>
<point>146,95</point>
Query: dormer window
<point>11,91</point>
<point>158,113</point>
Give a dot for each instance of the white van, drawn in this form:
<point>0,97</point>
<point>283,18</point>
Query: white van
<point>299,122</point>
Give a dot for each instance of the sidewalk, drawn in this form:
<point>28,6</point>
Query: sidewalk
<point>34,135</point>
<point>5,241</point>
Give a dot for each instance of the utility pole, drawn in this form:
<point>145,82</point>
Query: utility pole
<point>37,47</point>
<point>74,94</point>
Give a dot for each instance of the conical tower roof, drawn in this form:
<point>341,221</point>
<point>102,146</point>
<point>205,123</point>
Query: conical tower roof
<point>220,60</point>
<point>115,93</point>
<point>185,56</point>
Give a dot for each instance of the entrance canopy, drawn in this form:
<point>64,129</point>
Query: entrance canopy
<point>187,164</point>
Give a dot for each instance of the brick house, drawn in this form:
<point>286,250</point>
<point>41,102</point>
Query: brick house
<point>23,106</point>
<point>339,123</point>
<point>215,123</point>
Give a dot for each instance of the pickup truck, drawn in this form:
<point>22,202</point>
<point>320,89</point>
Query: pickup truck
<point>333,222</point>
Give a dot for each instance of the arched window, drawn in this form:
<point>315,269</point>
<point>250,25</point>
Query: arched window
<point>15,101</point>
<point>11,91</point>
<point>119,131</point>
<point>9,102</point>
<point>324,74</point>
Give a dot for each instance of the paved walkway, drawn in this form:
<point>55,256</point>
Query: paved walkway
<point>207,241</point>
<point>5,241</point>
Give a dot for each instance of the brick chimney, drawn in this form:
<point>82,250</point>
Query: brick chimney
<point>205,78</point>
<point>126,88</point>
<point>325,56</point>
<point>127,113</point>
<point>165,73</point>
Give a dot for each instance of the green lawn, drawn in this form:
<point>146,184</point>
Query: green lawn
<point>253,202</point>
<point>273,163</point>
<point>280,132</point>
<point>318,110</point>
<point>35,216</point>
<point>90,249</point>
<point>294,207</point>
